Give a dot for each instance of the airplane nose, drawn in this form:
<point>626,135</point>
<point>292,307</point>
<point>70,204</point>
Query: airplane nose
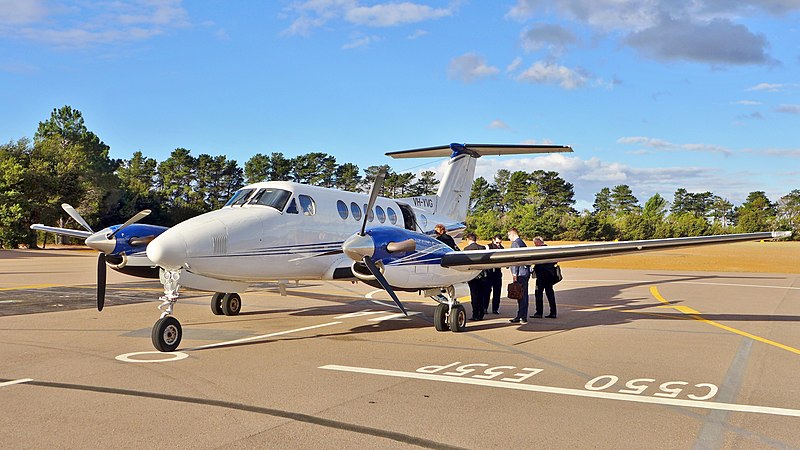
<point>168,250</point>
<point>357,247</point>
<point>100,242</point>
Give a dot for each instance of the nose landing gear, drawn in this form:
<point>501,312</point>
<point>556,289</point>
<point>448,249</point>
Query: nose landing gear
<point>167,332</point>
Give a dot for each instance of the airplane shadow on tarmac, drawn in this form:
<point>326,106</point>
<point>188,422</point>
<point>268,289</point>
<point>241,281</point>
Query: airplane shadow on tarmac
<point>578,298</point>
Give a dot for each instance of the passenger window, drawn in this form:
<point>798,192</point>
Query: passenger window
<point>308,205</point>
<point>381,215</point>
<point>355,210</point>
<point>424,221</point>
<point>392,215</point>
<point>292,209</point>
<point>340,205</point>
<point>369,213</point>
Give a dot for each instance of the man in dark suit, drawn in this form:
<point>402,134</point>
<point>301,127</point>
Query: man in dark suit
<point>495,279</point>
<point>545,278</point>
<point>522,274</point>
<point>477,286</point>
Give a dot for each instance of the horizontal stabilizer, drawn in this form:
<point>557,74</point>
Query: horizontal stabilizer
<point>478,150</point>
<point>62,231</point>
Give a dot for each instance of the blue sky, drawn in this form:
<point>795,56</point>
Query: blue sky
<point>699,94</point>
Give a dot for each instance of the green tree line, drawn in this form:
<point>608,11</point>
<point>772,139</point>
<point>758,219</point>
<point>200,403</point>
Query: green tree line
<point>67,163</point>
<point>541,203</point>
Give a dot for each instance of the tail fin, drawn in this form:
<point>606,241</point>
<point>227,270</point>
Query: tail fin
<point>452,199</point>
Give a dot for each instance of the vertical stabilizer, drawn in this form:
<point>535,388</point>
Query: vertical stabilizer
<point>456,184</point>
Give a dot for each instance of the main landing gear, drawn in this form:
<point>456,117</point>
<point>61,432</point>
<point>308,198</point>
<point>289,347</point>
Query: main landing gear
<point>449,313</point>
<point>228,304</point>
<point>167,331</point>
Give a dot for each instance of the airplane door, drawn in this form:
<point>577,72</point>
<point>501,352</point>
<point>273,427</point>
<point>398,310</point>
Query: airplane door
<point>409,219</point>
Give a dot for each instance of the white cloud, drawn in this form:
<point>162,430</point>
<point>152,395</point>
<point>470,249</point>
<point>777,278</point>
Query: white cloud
<point>789,109</point>
<point>555,38</point>
<point>747,103</point>
<point>498,124</point>
<point>391,14</point>
<point>660,145</point>
<point>94,23</point>
<point>542,72</point>
<point>470,67</point>
<point>767,87</point>
<point>704,31</point>
<point>514,65</point>
<point>311,14</point>
<point>417,34</point>
<point>360,41</point>
<point>716,42</point>
<point>16,12</point>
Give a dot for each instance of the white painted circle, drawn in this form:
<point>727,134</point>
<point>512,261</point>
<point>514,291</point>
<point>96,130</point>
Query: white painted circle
<point>172,356</point>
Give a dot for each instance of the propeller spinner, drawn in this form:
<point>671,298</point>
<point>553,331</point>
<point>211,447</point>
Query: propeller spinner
<point>104,243</point>
<point>361,247</point>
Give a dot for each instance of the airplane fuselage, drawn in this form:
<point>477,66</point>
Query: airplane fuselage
<point>284,230</point>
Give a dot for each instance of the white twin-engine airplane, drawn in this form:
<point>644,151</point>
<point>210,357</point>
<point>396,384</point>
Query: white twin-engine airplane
<point>288,231</point>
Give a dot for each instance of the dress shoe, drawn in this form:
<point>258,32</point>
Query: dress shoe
<point>536,316</point>
<point>524,320</point>
<point>551,316</point>
<point>515,320</point>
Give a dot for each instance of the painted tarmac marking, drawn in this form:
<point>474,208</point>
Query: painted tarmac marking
<point>571,392</point>
<point>34,286</point>
<point>177,356</point>
<point>21,380</point>
<point>694,314</point>
<point>264,336</point>
<point>170,356</point>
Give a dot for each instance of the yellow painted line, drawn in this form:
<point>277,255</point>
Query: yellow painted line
<point>694,314</point>
<point>33,286</point>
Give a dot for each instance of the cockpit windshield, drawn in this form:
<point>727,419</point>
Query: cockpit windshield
<point>239,197</point>
<point>275,198</point>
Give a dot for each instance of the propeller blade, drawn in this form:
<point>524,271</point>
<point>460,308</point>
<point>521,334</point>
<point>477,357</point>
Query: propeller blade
<point>74,214</point>
<point>101,281</point>
<point>373,195</point>
<point>409,245</point>
<point>139,216</point>
<point>385,284</point>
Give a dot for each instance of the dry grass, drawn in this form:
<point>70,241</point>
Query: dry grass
<point>765,256</point>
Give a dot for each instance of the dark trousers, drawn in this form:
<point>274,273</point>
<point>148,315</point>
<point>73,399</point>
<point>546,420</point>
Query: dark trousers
<point>477,292</point>
<point>522,304</point>
<point>551,298</point>
<point>495,282</point>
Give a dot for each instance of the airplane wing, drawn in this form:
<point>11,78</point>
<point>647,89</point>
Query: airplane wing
<point>62,231</point>
<point>478,150</point>
<point>487,259</point>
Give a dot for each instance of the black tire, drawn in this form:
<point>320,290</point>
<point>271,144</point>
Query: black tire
<point>216,303</point>
<point>458,318</point>
<point>231,304</point>
<point>167,334</point>
<point>440,317</point>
